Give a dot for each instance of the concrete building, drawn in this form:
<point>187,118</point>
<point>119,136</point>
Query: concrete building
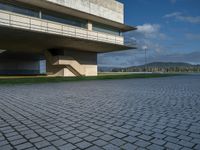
<point>68,34</point>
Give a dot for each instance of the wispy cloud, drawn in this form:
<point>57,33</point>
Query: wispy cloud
<point>173,1</point>
<point>192,36</point>
<point>174,14</point>
<point>181,17</point>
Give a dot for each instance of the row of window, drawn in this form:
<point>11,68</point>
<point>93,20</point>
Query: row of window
<point>52,17</point>
<point>20,10</point>
<point>105,29</point>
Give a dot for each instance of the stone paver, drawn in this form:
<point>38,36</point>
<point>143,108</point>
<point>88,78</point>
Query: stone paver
<point>160,113</point>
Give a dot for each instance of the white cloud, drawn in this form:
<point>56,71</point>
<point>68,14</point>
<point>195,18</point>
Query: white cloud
<point>148,30</point>
<point>147,35</point>
<point>181,17</point>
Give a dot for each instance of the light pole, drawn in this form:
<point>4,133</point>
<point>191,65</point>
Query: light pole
<point>145,58</point>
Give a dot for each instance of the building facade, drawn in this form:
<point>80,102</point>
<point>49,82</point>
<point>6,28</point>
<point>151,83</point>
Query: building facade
<point>68,34</point>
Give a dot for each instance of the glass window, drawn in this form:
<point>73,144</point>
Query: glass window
<point>18,9</point>
<point>65,20</point>
<point>105,29</point>
<point>45,15</point>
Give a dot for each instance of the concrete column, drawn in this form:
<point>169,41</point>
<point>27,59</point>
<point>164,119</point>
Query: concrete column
<point>40,14</point>
<point>89,26</point>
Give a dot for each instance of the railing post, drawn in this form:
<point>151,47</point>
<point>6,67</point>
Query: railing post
<point>30,23</point>
<point>47,27</point>
<point>75,33</point>
<point>62,30</point>
<point>40,14</point>
<point>9,19</point>
<point>87,34</point>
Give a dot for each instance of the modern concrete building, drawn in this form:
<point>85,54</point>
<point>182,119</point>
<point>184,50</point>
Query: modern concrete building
<point>68,34</point>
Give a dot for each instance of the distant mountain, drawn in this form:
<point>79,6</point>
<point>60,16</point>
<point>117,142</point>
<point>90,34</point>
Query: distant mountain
<point>161,67</point>
<point>168,64</point>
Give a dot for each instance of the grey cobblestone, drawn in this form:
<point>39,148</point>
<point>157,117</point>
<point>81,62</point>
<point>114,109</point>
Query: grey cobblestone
<point>172,139</point>
<point>160,113</point>
<point>6,147</point>
<point>42,144</point>
<point>74,140</point>
<point>107,137</point>
<point>197,147</point>
<point>17,142</point>
<point>59,142</point>
<point>130,139</point>
<point>158,141</point>
<point>111,147</point>
<point>83,145</point>
<point>24,146</point>
<point>173,146</point>
<point>186,144</point>
<point>94,148</point>
<point>155,147</point>
<point>100,143</point>
<point>129,146</point>
<point>142,143</point>
<point>49,148</point>
<point>145,137</point>
<point>117,142</point>
<point>67,147</point>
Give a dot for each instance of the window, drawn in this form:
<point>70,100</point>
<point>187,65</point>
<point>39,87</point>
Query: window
<point>45,15</point>
<point>18,9</point>
<point>65,20</point>
<point>101,28</point>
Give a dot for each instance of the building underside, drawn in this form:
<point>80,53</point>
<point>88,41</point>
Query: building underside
<point>68,50</point>
<point>65,56</point>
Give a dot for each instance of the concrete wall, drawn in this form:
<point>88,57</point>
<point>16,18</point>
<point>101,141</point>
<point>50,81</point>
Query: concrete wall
<point>109,9</point>
<point>17,66</point>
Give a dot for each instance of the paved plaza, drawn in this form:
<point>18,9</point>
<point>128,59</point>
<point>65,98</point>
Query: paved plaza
<point>152,114</point>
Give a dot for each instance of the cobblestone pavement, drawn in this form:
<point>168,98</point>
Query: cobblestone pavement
<point>154,114</point>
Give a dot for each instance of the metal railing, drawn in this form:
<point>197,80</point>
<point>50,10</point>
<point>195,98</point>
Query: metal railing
<point>41,25</point>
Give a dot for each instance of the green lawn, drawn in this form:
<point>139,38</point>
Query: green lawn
<point>102,76</point>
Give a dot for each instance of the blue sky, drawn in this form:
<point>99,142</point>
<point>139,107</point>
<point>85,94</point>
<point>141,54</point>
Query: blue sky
<point>169,29</point>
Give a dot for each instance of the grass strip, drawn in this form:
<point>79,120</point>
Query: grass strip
<point>33,80</point>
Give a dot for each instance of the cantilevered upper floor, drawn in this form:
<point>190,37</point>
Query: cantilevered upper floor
<point>92,25</point>
<point>68,34</point>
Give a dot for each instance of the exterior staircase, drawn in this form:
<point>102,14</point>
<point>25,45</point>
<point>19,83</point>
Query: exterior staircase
<point>65,62</point>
